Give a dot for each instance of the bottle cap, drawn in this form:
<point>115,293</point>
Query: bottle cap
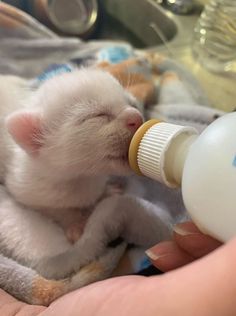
<point>135,142</point>
<point>149,145</point>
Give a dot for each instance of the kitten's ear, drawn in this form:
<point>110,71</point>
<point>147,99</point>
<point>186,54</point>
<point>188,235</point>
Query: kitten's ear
<point>26,130</point>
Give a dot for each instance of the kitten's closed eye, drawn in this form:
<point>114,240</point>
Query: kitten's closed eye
<point>102,115</point>
<point>109,117</point>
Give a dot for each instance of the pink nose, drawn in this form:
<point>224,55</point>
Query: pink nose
<point>132,119</point>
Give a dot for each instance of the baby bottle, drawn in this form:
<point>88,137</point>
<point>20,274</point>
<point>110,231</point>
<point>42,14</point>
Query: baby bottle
<point>204,166</point>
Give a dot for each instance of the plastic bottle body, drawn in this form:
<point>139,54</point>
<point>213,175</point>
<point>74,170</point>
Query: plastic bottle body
<point>209,179</point>
<point>203,165</point>
<point>214,40</point>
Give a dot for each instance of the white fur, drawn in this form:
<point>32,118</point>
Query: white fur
<point>137,221</point>
<point>80,137</point>
<point>82,125</point>
<point>27,235</point>
<point>35,241</point>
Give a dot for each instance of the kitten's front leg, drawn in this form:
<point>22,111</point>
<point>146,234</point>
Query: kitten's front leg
<point>93,243</point>
<point>137,221</point>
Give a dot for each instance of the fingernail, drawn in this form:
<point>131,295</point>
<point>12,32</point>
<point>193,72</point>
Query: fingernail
<point>153,254</point>
<point>185,230</point>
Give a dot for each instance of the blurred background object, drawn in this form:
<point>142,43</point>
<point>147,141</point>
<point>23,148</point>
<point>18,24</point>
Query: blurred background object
<point>146,25</point>
<point>73,17</point>
<point>180,6</point>
<point>214,42</point>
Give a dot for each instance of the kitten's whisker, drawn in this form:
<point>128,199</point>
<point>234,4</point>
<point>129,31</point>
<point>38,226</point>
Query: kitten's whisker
<point>128,83</point>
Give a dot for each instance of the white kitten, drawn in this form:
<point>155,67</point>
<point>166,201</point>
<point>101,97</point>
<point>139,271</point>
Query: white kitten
<point>58,147</point>
<point>72,133</point>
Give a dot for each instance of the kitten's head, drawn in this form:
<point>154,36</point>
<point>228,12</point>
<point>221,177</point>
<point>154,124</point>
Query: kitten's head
<point>79,123</point>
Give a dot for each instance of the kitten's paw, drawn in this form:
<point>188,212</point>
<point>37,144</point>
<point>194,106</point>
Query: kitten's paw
<point>99,269</point>
<point>74,232</point>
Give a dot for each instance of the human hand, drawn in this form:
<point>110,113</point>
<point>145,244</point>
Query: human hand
<point>9,306</point>
<point>188,244</point>
<point>206,287</point>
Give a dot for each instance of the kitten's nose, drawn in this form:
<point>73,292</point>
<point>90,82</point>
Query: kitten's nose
<point>133,119</point>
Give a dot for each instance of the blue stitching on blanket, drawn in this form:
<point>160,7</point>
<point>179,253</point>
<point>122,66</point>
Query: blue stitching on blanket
<point>144,264</point>
<point>55,70</point>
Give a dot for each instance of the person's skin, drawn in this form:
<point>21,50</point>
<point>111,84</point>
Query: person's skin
<point>206,287</point>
